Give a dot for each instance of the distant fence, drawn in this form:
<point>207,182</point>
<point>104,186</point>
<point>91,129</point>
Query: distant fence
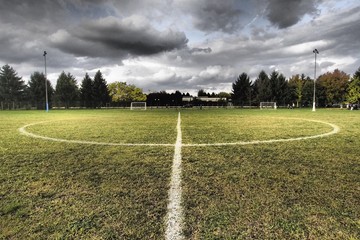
<point>17,106</point>
<point>33,106</point>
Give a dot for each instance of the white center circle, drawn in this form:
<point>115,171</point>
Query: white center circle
<point>335,129</point>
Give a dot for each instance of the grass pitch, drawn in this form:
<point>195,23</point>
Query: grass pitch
<point>285,190</point>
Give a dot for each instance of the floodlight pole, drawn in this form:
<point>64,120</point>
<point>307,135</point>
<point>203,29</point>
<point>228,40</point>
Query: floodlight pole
<point>46,90</point>
<point>315,51</point>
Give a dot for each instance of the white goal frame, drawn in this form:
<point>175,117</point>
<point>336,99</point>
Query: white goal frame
<point>268,105</point>
<point>138,106</point>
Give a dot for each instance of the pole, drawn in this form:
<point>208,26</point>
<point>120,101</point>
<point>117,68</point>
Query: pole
<point>315,51</point>
<point>46,90</point>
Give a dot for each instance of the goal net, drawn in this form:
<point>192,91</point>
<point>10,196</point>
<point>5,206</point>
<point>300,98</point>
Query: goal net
<point>138,105</point>
<point>268,105</point>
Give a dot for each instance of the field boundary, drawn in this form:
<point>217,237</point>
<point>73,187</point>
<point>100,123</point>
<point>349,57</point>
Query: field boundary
<point>174,215</point>
<point>335,129</point>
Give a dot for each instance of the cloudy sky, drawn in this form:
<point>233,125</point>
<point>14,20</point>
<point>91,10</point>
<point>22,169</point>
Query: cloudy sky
<point>183,45</point>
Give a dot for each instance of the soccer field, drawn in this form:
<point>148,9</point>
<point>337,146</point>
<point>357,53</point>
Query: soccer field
<point>235,174</point>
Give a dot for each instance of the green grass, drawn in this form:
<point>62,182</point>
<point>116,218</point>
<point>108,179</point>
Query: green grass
<point>292,190</point>
<point>306,189</point>
<point>133,127</point>
<point>63,190</point>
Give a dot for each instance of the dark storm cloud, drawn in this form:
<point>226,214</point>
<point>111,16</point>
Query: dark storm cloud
<point>217,15</point>
<point>25,27</point>
<point>111,37</point>
<point>17,45</point>
<point>230,16</point>
<point>285,13</point>
<point>213,15</point>
<point>80,28</point>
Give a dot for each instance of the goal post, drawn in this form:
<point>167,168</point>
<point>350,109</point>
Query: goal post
<point>268,105</point>
<point>138,106</point>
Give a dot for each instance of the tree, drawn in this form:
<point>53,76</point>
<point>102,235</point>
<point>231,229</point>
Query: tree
<point>357,74</point>
<point>163,98</point>
<point>12,87</point>
<point>278,87</point>
<point>121,92</point>
<point>100,90</point>
<point>296,85</point>
<point>158,98</point>
<point>86,92</point>
<point>224,95</point>
<point>335,85</point>
<point>66,90</point>
<point>263,87</point>
<point>308,93</point>
<point>176,98</point>
<point>202,93</point>
<point>241,90</point>
<point>37,91</point>
<point>353,94</point>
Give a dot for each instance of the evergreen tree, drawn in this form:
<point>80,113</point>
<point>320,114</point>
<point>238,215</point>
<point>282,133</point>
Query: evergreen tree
<point>66,90</point>
<point>263,87</point>
<point>273,85</point>
<point>278,86</point>
<point>100,90</point>
<point>37,91</point>
<point>241,92</point>
<point>86,92</point>
<point>12,87</point>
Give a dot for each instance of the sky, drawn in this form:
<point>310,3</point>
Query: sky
<point>186,45</point>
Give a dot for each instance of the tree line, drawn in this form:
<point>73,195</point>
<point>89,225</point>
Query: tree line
<point>331,88</point>
<point>92,93</point>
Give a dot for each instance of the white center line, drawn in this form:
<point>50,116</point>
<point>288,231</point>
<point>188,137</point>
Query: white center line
<point>174,218</point>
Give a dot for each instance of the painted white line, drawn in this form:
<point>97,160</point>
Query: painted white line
<point>23,130</point>
<point>174,217</point>
<point>335,129</point>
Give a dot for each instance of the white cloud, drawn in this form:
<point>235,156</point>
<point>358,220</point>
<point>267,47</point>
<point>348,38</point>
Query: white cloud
<point>304,48</point>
